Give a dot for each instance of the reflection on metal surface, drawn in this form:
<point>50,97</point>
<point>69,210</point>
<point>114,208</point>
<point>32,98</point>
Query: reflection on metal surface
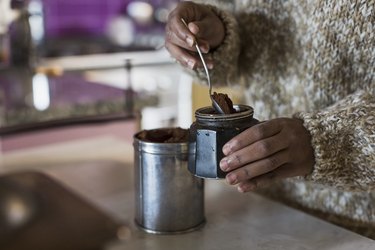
<point>124,233</point>
<point>123,24</point>
<point>17,211</point>
<point>37,212</point>
<point>18,207</point>
<point>41,95</point>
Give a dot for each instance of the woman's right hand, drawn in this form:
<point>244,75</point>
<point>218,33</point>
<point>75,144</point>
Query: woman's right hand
<point>204,27</point>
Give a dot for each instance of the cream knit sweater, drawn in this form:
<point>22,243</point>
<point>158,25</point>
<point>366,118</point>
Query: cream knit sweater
<point>314,60</point>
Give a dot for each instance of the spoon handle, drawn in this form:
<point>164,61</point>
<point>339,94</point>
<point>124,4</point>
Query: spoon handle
<point>203,61</point>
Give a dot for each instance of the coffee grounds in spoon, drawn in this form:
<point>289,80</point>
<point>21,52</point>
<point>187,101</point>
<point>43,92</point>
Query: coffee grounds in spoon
<point>224,102</point>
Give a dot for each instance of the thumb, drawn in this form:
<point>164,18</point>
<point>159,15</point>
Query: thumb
<point>207,30</point>
<point>194,28</point>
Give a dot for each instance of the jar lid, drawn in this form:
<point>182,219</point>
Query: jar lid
<point>242,111</point>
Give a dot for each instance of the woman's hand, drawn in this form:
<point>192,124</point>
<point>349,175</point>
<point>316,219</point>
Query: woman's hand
<point>204,27</point>
<point>270,150</point>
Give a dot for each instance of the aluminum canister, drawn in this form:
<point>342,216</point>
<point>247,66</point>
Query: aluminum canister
<point>168,198</point>
<point>209,133</point>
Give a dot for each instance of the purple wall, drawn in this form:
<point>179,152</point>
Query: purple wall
<point>83,17</point>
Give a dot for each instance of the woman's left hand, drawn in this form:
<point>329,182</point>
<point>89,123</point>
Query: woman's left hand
<point>274,149</point>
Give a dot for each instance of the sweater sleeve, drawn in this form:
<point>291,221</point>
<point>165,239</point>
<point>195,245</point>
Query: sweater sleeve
<point>256,42</point>
<point>226,55</point>
<point>343,138</point>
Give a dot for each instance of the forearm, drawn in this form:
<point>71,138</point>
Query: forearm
<point>343,138</point>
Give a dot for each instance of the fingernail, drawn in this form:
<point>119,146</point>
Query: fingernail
<point>231,179</point>
<point>224,164</point>
<point>204,48</point>
<point>190,41</point>
<point>226,149</point>
<point>241,189</point>
<point>245,188</point>
<point>210,65</point>
<point>191,64</point>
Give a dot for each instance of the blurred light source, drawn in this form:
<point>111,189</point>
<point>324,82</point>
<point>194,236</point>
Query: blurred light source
<point>36,20</point>
<point>120,31</point>
<point>41,96</point>
<point>161,14</point>
<point>141,11</point>
<point>7,15</point>
<point>17,211</point>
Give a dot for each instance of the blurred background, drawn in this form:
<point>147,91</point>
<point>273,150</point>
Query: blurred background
<point>73,58</point>
<point>66,61</point>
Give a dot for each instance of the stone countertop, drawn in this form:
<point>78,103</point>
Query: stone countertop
<point>234,220</point>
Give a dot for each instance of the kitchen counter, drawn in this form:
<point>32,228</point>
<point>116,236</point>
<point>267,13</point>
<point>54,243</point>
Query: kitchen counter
<point>234,220</point>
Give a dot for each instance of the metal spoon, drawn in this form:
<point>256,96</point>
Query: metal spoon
<point>214,103</point>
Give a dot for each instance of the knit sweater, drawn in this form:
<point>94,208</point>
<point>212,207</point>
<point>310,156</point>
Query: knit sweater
<point>314,60</point>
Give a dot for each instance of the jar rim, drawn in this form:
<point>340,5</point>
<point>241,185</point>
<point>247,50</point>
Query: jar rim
<point>209,113</point>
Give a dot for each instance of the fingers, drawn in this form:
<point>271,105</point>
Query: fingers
<point>201,28</point>
<point>182,52</point>
<point>251,135</point>
<point>181,35</point>
<point>176,33</point>
<point>187,58</point>
<point>266,179</point>
<point>276,149</point>
<point>182,56</point>
<point>184,22</point>
<point>194,28</point>
<point>256,151</point>
<point>258,168</point>
<point>184,35</point>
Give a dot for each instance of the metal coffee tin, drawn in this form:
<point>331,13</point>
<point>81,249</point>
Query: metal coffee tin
<point>169,199</point>
<point>209,133</point>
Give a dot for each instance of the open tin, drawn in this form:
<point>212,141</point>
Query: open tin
<point>168,199</point>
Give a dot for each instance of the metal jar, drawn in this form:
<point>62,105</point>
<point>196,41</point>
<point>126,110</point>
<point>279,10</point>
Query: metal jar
<point>209,133</point>
<point>168,198</point>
